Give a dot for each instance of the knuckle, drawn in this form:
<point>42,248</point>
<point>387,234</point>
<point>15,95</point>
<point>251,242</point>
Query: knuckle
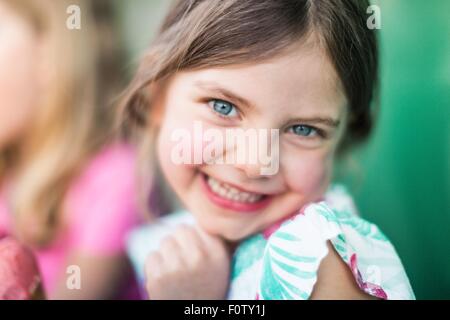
<point>168,243</point>
<point>196,257</point>
<point>154,272</point>
<point>152,261</point>
<point>185,231</point>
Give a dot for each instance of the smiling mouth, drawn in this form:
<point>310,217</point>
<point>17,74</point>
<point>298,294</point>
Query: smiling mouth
<point>233,198</point>
<point>231,193</point>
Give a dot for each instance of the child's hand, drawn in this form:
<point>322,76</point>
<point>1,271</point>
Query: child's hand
<point>189,265</point>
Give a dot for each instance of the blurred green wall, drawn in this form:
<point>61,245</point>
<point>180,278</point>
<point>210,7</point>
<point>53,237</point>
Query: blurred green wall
<point>402,179</point>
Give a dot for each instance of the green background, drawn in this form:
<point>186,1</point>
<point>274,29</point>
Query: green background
<point>401,177</point>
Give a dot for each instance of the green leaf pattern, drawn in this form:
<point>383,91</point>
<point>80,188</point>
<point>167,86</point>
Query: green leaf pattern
<point>285,265</point>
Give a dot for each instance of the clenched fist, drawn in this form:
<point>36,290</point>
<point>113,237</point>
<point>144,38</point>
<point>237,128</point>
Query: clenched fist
<point>189,264</point>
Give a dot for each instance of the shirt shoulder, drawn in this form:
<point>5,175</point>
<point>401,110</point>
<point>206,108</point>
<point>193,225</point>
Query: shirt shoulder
<point>103,199</point>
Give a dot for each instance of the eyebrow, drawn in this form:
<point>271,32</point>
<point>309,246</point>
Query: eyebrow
<point>215,87</point>
<point>327,121</point>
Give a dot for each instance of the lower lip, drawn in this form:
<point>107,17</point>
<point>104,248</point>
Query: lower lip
<point>233,205</point>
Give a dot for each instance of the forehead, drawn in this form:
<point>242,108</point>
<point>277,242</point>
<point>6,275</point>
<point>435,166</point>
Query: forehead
<point>302,78</point>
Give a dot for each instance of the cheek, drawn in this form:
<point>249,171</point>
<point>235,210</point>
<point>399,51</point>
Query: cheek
<point>18,85</point>
<point>176,174</point>
<point>309,174</point>
<point>179,175</point>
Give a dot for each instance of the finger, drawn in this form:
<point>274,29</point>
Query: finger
<point>171,253</point>
<point>153,272</point>
<point>187,237</point>
<point>213,243</point>
<point>191,244</point>
<point>153,265</point>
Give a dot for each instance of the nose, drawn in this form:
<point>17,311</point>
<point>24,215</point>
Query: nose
<point>252,171</point>
<point>256,155</point>
<point>260,168</point>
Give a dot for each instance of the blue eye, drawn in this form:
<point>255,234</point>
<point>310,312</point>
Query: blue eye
<point>224,108</point>
<point>303,130</point>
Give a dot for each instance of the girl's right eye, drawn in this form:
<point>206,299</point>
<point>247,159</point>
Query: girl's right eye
<point>223,108</point>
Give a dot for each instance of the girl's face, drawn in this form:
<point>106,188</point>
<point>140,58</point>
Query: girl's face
<point>19,74</point>
<point>299,94</point>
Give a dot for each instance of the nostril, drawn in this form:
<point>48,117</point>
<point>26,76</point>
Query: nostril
<point>251,171</point>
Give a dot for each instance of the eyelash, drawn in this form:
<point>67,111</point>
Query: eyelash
<point>318,132</point>
<point>210,103</point>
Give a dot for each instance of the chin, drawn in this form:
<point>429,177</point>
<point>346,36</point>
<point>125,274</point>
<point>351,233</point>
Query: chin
<point>231,234</point>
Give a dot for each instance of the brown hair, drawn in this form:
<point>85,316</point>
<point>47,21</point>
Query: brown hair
<point>200,34</point>
<point>75,117</point>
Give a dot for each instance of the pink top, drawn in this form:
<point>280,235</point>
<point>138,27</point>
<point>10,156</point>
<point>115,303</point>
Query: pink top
<point>99,211</point>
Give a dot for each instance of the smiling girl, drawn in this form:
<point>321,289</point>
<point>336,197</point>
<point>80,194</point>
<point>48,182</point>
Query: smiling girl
<point>305,68</point>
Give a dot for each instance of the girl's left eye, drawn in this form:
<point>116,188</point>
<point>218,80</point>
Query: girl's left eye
<point>304,130</point>
<point>223,108</point>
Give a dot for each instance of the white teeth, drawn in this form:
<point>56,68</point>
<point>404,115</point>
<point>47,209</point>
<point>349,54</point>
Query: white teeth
<point>227,191</point>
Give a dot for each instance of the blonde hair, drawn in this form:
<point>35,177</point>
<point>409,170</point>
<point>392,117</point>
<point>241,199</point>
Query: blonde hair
<point>73,121</point>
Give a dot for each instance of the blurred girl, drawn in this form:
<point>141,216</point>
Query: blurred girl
<point>66,187</point>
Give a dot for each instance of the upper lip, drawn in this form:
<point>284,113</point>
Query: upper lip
<point>235,186</point>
